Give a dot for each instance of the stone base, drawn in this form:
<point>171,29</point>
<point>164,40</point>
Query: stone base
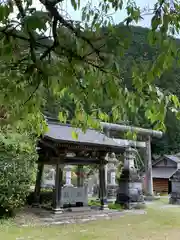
<point>111,200</point>
<point>123,198</point>
<point>99,207</point>
<point>130,200</point>
<point>105,207</point>
<point>151,198</point>
<point>174,198</point>
<point>69,210</point>
<point>133,205</point>
<point>68,185</point>
<point>57,210</point>
<point>35,205</point>
<point>129,191</point>
<point>51,209</point>
<point>111,191</point>
<point>175,201</point>
<point>137,205</point>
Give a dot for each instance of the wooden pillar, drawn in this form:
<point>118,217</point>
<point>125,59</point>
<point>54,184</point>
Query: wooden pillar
<point>106,177</point>
<point>102,185</point>
<point>58,188</point>
<point>37,189</point>
<point>148,168</point>
<point>80,178</point>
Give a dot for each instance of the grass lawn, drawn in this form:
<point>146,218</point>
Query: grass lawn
<point>159,223</point>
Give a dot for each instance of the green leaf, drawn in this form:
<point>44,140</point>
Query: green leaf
<point>175,100</point>
<point>79,3</point>
<point>93,123</point>
<point>74,4</point>
<point>95,19</point>
<point>83,15</point>
<point>178,115</point>
<point>62,117</point>
<point>160,126</point>
<point>4,12</point>
<point>165,25</point>
<point>115,114</point>
<point>29,3</point>
<point>37,20</point>
<point>103,116</point>
<point>131,135</point>
<point>75,135</point>
<point>155,22</point>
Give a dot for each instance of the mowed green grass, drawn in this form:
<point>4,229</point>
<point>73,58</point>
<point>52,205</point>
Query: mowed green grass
<point>159,223</point>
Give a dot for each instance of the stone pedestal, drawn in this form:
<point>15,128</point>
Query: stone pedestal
<point>112,191</point>
<point>175,184</point>
<point>129,191</point>
<point>74,195</point>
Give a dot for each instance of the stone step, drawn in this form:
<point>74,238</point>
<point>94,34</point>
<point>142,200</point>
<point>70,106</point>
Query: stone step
<point>75,216</point>
<point>103,213</point>
<point>73,221</point>
<point>63,219</point>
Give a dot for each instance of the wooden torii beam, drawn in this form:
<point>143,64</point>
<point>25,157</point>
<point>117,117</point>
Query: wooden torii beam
<point>132,143</point>
<point>125,128</point>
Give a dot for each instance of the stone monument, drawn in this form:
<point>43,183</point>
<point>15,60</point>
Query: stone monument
<point>129,191</point>
<point>68,176</point>
<point>96,185</point>
<point>48,179</point>
<point>175,188</point>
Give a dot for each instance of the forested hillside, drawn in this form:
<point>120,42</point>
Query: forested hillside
<point>140,53</point>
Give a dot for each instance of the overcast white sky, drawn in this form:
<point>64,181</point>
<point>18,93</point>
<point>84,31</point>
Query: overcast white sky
<point>118,16</point>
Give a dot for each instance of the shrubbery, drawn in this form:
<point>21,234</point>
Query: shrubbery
<point>17,169</point>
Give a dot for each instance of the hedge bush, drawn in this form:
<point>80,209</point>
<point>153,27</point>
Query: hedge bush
<point>17,169</point>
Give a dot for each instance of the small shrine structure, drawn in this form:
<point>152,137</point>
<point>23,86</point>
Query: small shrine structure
<point>58,148</point>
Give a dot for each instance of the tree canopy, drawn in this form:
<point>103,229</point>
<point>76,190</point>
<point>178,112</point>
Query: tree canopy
<point>169,81</point>
<point>138,51</point>
<point>46,51</point>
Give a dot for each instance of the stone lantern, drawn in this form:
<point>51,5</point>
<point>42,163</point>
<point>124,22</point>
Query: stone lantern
<point>175,185</point>
<point>111,176</point>
<point>130,184</point>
